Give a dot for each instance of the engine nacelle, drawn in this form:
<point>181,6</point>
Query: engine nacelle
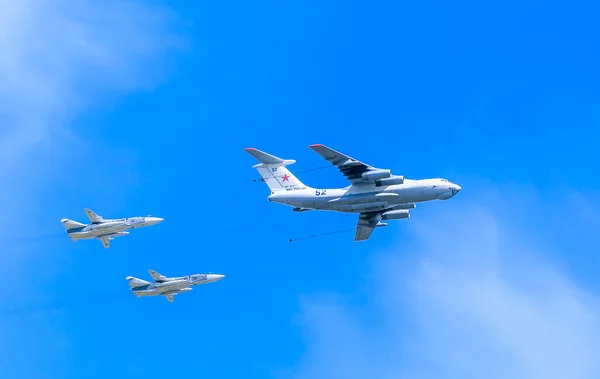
<point>376,174</point>
<point>390,181</point>
<point>393,215</point>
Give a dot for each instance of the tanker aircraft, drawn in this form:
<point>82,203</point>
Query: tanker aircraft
<point>374,193</point>
<point>169,287</point>
<point>105,229</point>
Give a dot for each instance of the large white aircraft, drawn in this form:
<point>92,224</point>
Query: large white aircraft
<point>169,287</point>
<point>375,194</point>
<point>105,229</point>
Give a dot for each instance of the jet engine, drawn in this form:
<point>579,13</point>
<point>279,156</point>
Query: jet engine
<point>389,181</point>
<point>393,215</point>
<point>376,174</point>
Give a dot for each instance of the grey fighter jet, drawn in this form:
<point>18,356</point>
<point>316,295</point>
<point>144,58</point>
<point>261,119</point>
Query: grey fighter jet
<point>105,229</point>
<point>169,287</point>
<point>375,194</point>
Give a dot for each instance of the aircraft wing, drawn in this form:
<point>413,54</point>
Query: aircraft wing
<point>351,168</point>
<point>105,241</point>
<point>367,222</point>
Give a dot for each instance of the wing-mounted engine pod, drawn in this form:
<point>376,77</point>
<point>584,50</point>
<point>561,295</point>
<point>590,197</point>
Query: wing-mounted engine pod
<point>376,174</point>
<point>389,181</point>
<point>394,215</point>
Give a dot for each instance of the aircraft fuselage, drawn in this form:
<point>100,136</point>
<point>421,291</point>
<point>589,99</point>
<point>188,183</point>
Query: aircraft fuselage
<point>114,228</point>
<point>175,285</point>
<point>366,198</point>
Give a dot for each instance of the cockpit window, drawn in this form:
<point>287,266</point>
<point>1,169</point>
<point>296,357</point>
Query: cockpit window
<point>444,180</point>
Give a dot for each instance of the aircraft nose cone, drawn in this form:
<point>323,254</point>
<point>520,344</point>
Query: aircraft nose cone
<point>153,220</point>
<point>455,189</point>
<point>215,277</point>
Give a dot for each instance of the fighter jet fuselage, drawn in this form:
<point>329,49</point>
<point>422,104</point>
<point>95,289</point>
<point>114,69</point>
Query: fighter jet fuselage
<point>105,230</point>
<point>118,227</point>
<point>169,287</point>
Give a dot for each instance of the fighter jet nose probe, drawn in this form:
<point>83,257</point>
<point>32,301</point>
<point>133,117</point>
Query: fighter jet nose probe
<point>375,194</point>
<point>105,229</point>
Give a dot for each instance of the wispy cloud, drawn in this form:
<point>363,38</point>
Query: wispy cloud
<point>480,289</point>
<point>58,59</point>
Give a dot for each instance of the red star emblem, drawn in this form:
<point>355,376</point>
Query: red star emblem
<point>285,177</point>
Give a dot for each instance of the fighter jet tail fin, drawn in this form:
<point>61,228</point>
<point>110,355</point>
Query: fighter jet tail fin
<point>273,171</point>
<point>94,218</point>
<point>70,224</point>
<point>135,282</point>
<point>157,276</point>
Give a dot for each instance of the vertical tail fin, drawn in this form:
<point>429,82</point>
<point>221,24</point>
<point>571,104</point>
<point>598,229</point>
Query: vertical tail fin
<point>157,276</point>
<point>93,216</point>
<point>274,172</point>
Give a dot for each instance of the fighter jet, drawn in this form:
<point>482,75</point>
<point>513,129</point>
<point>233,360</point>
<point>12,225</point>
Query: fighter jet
<point>105,229</point>
<point>169,287</point>
<point>374,193</point>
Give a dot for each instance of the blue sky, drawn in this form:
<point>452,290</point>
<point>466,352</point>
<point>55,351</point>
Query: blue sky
<point>136,108</point>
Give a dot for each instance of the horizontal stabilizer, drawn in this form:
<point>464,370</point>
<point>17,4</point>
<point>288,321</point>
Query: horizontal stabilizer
<point>70,224</point>
<point>268,159</point>
<point>135,282</point>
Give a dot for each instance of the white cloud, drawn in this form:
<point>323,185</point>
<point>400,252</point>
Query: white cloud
<point>59,58</point>
<point>478,290</point>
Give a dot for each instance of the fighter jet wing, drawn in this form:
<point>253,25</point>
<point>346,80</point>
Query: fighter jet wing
<point>367,222</point>
<point>105,241</point>
<point>351,168</point>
